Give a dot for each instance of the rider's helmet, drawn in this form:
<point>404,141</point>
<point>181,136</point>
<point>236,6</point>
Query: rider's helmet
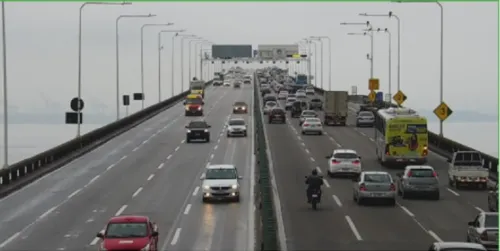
<point>314,172</point>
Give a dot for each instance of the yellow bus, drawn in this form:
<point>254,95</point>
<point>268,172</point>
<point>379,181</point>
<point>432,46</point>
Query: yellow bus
<point>401,136</point>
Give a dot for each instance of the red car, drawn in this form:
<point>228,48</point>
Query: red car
<point>129,232</point>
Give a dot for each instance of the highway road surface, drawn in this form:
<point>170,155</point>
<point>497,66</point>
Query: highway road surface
<point>149,170</point>
<point>341,224</point>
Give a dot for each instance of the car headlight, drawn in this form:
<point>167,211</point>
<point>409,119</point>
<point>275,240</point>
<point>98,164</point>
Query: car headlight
<point>206,130</point>
<point>234,186</point>
<point>188,131</point>
<point>199,108</point>
<point>146,248</point>
<point>187,108</point>
<point>206,187</point>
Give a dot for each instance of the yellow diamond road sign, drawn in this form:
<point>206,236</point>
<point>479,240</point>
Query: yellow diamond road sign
<point>399,97</point>
<point>372,96</point>
<point>373,84</point>
<point>443,111</point>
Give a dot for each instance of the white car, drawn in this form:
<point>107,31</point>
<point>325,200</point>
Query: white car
<point>307,114</point>
<point>269,106</point>
<point>221,182</point>
<point>283,95</point>
<point>236,127</point>
<point>344,162</point>
<point>310,91</point>
<point>300,95</point>
<point>312,125</point>
<point>227,83</point>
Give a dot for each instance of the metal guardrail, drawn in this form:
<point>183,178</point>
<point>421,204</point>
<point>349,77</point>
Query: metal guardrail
<point>268,228</point>
<point>26,171</point>
<point>440,145</point>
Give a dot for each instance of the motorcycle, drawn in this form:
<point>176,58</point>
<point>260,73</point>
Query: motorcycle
<point>315,197</point>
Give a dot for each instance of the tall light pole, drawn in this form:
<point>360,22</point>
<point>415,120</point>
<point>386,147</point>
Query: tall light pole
<point>142,56</point>
<point>367,23</point>
<point>322,52</point>
<point>304,49</point>
<point>390,15</point>
<point>79,84</point>
<point>368,57</point>
<point>182,36</point>
<point>160,47</point>
<point>329,59</point>
<point>118,58</point>
<point>309,64</point>
<point>441,56</point>
<point>386,31</point>
<point>209,71</point>
<point>190,56</point>
<point>201,43</point>
<point>5,103</point>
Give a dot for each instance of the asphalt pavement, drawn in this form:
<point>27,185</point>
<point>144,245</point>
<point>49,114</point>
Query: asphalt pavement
<point>149,170</point>
<point>341,224</point>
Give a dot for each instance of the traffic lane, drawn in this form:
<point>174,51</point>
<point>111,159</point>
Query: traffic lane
<point>371,222</point>
<point>435,216</point>
<point>26,205</point>
<point>305,229</point>
<point>67,205</point>
<point>225,225</point>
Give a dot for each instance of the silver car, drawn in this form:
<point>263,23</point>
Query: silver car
<point>307,114</point>
<point>269,106</point>
<point>283,95</point>
<point>309,91</point>
<point>418,180</point>
<point>365,118</point>
<point>312,125</point>
<point>461,246</point>
<point>373,185</point>
<point>300,95</point>
<point>484,230</point>
<point>289,103</point>
<point>236,127</point>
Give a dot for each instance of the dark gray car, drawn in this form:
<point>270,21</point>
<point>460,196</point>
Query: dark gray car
<point>418,180</point>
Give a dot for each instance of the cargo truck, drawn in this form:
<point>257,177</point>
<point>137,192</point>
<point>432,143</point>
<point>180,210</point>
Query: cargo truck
<point>335,107</point>
<point>197,87</point>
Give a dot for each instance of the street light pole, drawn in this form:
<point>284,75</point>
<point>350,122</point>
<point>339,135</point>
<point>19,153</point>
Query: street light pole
<point>5,103</point>
<point>200,54</point>
<point>190,56</point>
<point>160,47</point>
<point>118,58</point>
<point>321,41</point>
<point>390,57</point>
<point>367,23</point>
<point>390,15</point>
<point>142,56</point>
<point>329,59</point>
<point>183,36</point>
<point>79,84</point>
<point>369,58</point>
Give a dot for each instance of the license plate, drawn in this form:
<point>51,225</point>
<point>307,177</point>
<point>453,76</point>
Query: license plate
<point>374,194</point>
<point>345,169</point>
<point>315,196</point>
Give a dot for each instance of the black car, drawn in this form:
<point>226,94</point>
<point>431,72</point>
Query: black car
<point>269,97</point>
<point>277,114</point>
<point>297,108</point>
<point>265,91</point>
<point>197,130</point>
<point>240,107</point>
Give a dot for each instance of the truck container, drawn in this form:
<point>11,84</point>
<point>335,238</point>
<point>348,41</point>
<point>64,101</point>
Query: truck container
<point>335,107</point>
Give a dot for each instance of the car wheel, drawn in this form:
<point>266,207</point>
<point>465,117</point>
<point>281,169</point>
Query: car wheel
<point>188,140</point>
<point>303,133</point>
<point>208,139</point>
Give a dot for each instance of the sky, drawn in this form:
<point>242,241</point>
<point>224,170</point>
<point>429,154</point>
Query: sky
<point>42,43</point>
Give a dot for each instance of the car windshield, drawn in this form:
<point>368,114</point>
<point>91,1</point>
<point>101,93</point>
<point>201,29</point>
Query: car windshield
<point>127,230</point>
<point>194,101</point>
<point>308,114</point>
<point>271,103</point>
<point>366,114</point>
<point>278,111</point>
<point>345,156</point>
<point>377,178</point>
<point>197,124</point>
<point>220,174</point>
<point>240,104</point>
<point>236,122</point>
<point>491,220</point>
<point>422,173</point>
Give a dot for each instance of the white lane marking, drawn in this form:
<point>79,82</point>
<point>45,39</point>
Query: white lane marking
<point>318,169</point>
<point>135,149</point>
<point>453,192</point>
<point>337,200</point>
<point>216,146</point>
<point>183,141</point>
<point>122,158</point>
<point>74,193</point>
<point>169,156</point>
<point>362,133</point>
<point>307,151</point>
<point>479,209</point>
<point>353,228</point>
<point>176,236</point>
<point>93,179</point>
<point>9,239</point>
<point>218,141</point>
<point>408,212</point>
<point>137,192</point>
<point>145,141</point>
<point>94,241</point>
<point>435,236</point>
<point>120,211</point>
<point>161,166</point>
<point>46,213</point>
<point>110,166</point>
<point>338,145</point>
<point>326,183</point>
<point>299,138</point>
<point>188,207</point>
<point>211,156</point>
<point>150,177</point>
<point>372,139</point>
<point>312,159</point>
<point>303,144</point>
<point>177,148</point>
<point>196,191</point>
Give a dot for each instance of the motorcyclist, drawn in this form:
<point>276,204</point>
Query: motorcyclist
<point>313,182</point>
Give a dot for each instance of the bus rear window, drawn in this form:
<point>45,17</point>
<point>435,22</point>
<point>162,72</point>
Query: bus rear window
<point>416,128</point>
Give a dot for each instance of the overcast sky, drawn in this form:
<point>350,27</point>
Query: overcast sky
<point>42,40</point>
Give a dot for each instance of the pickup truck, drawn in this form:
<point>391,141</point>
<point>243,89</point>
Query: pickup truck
<point>465,168</point>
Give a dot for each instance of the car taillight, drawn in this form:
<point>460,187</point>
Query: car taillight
<point>334,161</point>
<point>434,174</point>
<point>393,187</point>
<point>409,174</point>
<point>362,187</point>
<point>356,162</point>
<point>484,236</point>
<point>306,124</point>
<point>387,152</point>
<point>425,152</point>
<point>199,108</point>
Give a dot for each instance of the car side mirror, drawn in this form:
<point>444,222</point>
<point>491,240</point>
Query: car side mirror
<point>154,234</point>
<point>359,157</point>
<point>100,235</point>
<point>470,223</point>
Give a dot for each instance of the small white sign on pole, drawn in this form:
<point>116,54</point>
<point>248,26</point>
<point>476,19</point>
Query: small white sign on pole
<point>354,90</point>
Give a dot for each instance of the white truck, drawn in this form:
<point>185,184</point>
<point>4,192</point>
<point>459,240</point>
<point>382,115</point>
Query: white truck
<point>335,107</point>
<point>466,169</point>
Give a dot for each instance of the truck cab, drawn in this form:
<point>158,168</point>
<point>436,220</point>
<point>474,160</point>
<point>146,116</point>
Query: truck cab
<point>465,168</point>
<point>194,105</point>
